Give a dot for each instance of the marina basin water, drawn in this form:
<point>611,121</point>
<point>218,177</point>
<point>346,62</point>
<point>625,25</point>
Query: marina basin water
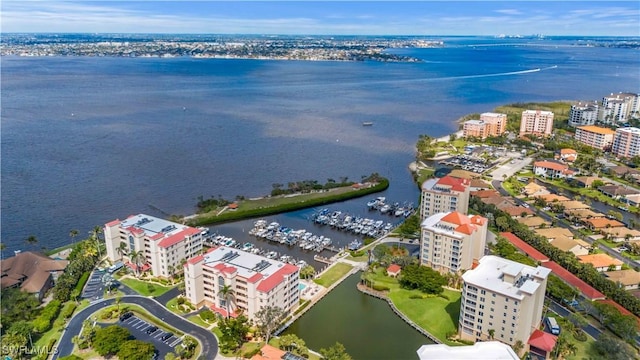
<point>366,326</point>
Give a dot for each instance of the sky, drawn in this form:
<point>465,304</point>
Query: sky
<point>585,18</point>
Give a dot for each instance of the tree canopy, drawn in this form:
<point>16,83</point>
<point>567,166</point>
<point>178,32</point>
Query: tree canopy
<point>136,350</point>
<point>268,319</point>
<point>335,352</point>
<point>611,348</point>
<point>422,278</point>
<point>107,341</point>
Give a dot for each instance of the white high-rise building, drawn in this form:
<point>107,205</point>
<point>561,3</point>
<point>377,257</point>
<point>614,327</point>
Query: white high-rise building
<point>450,242</point>
<point>618,108</point>
<point>444,194</point>
<point>162,243</point>
<point>583,114</point>
<point>503,296</point>
<point>255,281</point>
<point>626,142</point>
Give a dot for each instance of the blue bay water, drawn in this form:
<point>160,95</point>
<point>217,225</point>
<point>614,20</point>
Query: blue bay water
<point>88,140</point>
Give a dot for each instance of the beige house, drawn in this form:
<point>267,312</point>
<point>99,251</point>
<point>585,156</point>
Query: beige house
<point>534,222</point>
<point>504,296</point>
<point>554,233</point>
<point>31,272</point>
<point>620,234</point>
<point>583,214</point>
<point>575,205</point>
<point>550,198</point>
<point>577,247</point>
<point>629,279</point>
<point>601,262</point>
<point>534,190</point>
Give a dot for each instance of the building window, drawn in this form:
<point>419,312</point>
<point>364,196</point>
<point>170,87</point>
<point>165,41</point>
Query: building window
<point>220,281</point>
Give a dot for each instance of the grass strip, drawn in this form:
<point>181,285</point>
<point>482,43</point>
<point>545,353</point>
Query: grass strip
<point>270,206</point>
<point>333,274</point>
<point>145,288</point>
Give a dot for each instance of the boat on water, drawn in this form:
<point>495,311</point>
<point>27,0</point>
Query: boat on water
<point>367,123</point>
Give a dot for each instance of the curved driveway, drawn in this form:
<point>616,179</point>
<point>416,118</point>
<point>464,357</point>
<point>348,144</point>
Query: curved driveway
<point>207,338</point>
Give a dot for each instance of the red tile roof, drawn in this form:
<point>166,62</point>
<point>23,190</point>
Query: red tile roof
<point>550,165</point>
<point>177,237</point>
<point>394,268</point>
<point>254,278</point>
<point>478,220</point>
<point>455,183</point>
<point>466,229</point>
<point>195,260</point>
<point>573,280</point>
<point>524,247</point>
<point>457,218</point>
<point>542,340</point>
<point>112,223</point>
<point>484,193</point>
<point>225,269</point>
<point>276,278</point>
<point>135,230</point>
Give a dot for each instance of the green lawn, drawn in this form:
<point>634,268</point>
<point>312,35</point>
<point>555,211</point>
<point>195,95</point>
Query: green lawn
<point>196,319</point>
<point>437,315</point>
<point>145,288</point>
<point>333,274</point>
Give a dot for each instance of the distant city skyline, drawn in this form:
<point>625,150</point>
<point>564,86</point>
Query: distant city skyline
<point>582,18</point>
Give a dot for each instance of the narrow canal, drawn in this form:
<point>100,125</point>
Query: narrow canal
<point>366,326</point>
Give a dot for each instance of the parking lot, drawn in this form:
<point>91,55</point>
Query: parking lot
<point>164,341</point>
<point>94,288</point>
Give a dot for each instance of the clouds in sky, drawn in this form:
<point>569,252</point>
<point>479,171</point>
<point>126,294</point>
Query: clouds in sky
<point>325,17</point>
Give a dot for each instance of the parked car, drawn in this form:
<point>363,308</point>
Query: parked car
<point>126,315</point>
<point>152,329</point>
<point>166,336</point>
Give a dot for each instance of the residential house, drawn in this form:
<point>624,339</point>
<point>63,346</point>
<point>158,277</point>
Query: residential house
<point>499,201</point>
<point>550,198</point>
<point>533,222</point>
<point>552,169</point>
<point>268,352</point>
<point>533,190</point>
<point>575,205</point>
<point>628,279</point>
<point>631,199</point>
<point>485,193</point>
<point>596,224</point>
<point>584,181</point>
<point>617,191</point>
<point>554,233</point>
<point>576,246</point>
<point>517,211</point>
<point>582,214</point>
<point>620,234</point>
<point>602,262</point>
<point>31,272</point>
<point>478,184</point>
<point>567,155</point>
<point>622,171</point>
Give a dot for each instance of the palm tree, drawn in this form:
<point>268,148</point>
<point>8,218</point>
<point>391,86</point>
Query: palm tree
<point>518,346</point>
<point>492,333</point>
<point>73,233</point>
<point>31,240</point>
<point>95,235</point>
<point>121,249</point>
<point>226,292</point>
<point>137,258</point>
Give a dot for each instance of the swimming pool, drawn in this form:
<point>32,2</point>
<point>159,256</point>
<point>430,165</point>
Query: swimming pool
<point>301,286</point>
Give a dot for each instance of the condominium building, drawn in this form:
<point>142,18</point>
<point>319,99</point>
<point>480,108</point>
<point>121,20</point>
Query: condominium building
<point>487,350</point>
<point>595,136</point>
<point>502,300</point>
<point>255,282</point>
<point>536,122</point>
<point>450,242</point>
<point>618,108</point>
<point>583,114</point>
<point>626,142</point>
<point>490,124</point>
<point>444,195</point>
<point>162,243</point>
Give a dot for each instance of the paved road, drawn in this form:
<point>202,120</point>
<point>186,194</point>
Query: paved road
<point>564,312</point>
<point>164,298</point>
<point>206,337</point>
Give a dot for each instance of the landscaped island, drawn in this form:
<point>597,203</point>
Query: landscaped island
<point>297,196</point>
